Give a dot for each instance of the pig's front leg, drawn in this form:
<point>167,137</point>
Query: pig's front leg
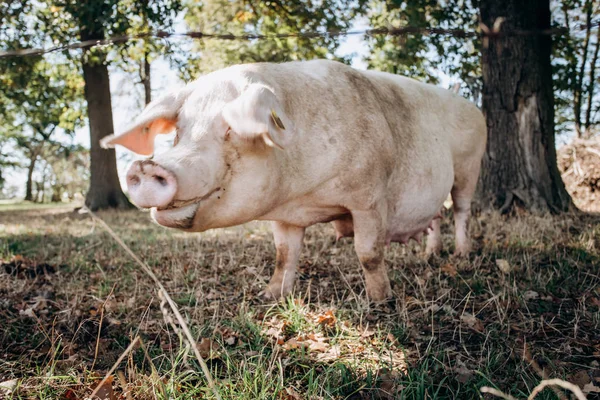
<point>288,241</point>
<point>369,243</point>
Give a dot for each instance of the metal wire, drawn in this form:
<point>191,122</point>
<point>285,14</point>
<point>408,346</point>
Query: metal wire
<point>461,33</point>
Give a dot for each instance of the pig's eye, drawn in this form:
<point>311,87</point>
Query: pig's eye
<point>176,140</point>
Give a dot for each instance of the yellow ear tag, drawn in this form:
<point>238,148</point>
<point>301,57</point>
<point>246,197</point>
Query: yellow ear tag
<point>277,120</point>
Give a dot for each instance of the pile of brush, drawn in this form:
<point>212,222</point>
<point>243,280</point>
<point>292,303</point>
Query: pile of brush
<point>579,163</point>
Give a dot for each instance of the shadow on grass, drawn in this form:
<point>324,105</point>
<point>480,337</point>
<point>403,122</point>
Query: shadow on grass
<point>455,326</point>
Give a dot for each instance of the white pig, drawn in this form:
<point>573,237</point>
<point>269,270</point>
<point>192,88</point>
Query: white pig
<point>306,142</point>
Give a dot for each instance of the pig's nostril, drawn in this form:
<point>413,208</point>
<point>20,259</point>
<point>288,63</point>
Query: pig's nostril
<point>160,180</point>
<point>134,180</point>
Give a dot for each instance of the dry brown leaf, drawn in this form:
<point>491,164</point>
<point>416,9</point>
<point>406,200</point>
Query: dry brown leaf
<point>207,348</point>
<point>590,388</point>
<point>105,392</point>
<point>7,387</point>
<point>580,378</point>
<point>293,344</point>
<point>449,269</point>
<point>291,394</point>
<point>327,319</point>
<point>318,346</point>
<point>367,333</point>
<point>472,322</point>
<point>530,295</point>
<point>504,266</point>
<point>463,374</point>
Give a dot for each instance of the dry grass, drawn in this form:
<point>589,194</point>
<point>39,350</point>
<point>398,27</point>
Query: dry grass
<point>523,308</point>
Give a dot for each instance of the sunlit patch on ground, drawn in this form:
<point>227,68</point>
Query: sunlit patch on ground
<point>526,302</point>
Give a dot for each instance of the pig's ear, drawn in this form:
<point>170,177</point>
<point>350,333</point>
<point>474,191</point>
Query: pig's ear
<point>257,112</point>
<point>160,116</point>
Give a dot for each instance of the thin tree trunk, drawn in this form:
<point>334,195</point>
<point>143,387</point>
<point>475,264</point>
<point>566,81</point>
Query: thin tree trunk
<point>590,94</point>
<point>105,188</point>
<point>519,166</point>
<point>579,83</point>
<point>29,183</point>
<point>145,77</point>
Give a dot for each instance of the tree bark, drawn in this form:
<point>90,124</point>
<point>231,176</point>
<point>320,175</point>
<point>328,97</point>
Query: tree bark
<point>145,77</point>
<point>590,92</point>
<point>579,83</point>
<point>519,166</point>
<point>29,183</point>
<point>105,189</point>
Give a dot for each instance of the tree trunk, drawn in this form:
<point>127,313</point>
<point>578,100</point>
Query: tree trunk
<point>578,98</point>
<point>519,166</point>
<point>29,184</point>
<point>590,92</point>
<point>145,77</point>
<point>105,188</point>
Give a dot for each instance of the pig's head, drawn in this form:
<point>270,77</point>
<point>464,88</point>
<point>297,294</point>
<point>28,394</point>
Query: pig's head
<point>222,169</point>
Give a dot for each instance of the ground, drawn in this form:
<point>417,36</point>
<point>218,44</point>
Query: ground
<point>525,305</point>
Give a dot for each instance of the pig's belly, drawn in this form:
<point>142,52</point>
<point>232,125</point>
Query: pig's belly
<point>414,210</point>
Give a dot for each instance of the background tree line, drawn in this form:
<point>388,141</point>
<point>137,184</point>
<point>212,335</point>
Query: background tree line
<point>530,87</point>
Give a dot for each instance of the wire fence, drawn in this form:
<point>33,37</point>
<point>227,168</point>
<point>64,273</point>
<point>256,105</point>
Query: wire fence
<point>483,31</point>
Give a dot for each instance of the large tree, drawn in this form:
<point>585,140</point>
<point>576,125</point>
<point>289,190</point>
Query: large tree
<point>98,20</point>
<point>519,165</point>
<point>575,63</point>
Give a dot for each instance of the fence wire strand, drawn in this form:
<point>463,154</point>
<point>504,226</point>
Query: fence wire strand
<point>483,31</point>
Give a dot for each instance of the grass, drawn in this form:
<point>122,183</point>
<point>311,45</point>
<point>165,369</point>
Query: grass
<point>71,301</point>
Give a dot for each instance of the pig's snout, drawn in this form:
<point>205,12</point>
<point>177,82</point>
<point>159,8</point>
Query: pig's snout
<point>150,185</point>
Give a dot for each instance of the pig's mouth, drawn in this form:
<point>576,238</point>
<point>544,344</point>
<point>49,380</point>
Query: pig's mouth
<point>183,203</point>
<point>180,213</point>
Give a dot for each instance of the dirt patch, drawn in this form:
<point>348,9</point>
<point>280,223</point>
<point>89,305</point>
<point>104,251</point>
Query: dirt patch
<point>579,164</point>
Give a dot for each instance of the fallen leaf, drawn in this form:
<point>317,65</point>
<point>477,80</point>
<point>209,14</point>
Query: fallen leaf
<point>530,295</point>
<point>291,394</point>
<point>70,395</point>
<point>230,340</point>
<point>318,346</point>
<point>293,344</point>
<point>449,269</point>
<point>472,322</point>
<point>105,392</point>
<point>591,388</point>
<point>207,347</point>
<point>463,374</point>
<point>8,386</point>
<point>503,266</point>
<point>367,332</point>
<point>580,378</point>
<point>327,319</point>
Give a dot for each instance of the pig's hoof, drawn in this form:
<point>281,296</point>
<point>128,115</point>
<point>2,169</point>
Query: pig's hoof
<point>433,250</point>
<point>380,295</point>
<point>276,292</point>
<point>462,251</point>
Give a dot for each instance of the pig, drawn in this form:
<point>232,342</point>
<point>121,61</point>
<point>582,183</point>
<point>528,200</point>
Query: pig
<point>302,143</point>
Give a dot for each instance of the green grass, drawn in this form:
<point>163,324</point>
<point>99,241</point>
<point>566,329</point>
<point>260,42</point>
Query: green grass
<point>71,301</point>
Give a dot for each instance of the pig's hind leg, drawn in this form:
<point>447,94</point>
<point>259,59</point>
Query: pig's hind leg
<point>434,238</point>
<point>369,243</point>
<point>288,241</point>
<point>462,194</point>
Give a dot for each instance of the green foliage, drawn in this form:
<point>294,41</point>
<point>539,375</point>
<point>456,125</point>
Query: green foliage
<point>573,64</point>
<point>421,56</point>
<point>239,17</point>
